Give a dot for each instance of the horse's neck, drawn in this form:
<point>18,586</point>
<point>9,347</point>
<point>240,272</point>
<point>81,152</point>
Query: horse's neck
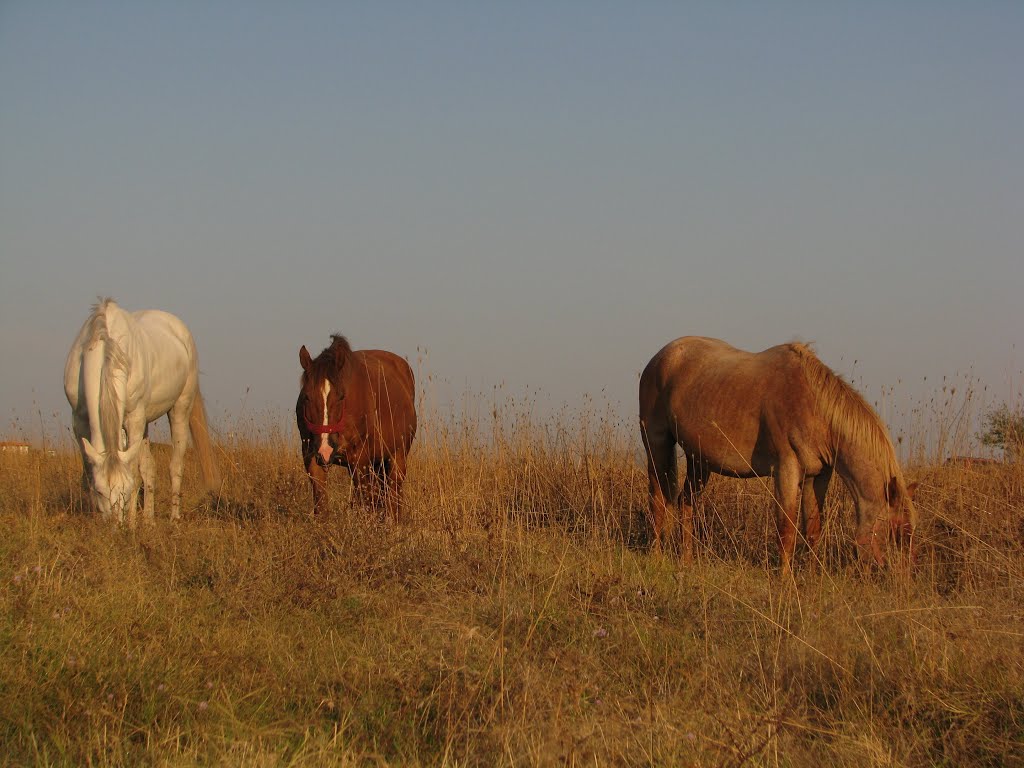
<point>864,472</point>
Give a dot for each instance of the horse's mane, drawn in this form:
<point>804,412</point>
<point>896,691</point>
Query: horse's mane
<point>114,361</point>
<point>328,363</point>
<point>847,413</point>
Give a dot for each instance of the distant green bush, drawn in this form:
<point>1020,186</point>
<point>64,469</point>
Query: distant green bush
<point>1004,428</point>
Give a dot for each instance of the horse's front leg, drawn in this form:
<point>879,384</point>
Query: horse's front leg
<point>787,495</point>
<point>317,474</point>
<point>135,435</point>
<point>147,468</point>
<point>813,506</point>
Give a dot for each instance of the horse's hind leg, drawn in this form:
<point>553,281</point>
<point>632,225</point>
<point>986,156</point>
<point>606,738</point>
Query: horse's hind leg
<point>662,481</point>
<point>693,484</point>
<point>178,417</point>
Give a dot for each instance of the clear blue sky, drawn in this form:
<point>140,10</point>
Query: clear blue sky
<point>539,194</point>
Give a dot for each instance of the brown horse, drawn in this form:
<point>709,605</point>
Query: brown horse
<point>357,409</point>
<point>780,412</point>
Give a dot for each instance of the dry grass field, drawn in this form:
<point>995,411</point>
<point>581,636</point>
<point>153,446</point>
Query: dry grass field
<point>512,619</point>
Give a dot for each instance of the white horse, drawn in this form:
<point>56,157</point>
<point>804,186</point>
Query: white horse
<point>125,370</point>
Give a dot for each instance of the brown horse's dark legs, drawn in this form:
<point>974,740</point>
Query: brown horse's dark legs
<point>662,482</point>
<point>318,481</point>
<point>378,485</point>
<point>362,486</point>
<point>693,485</point>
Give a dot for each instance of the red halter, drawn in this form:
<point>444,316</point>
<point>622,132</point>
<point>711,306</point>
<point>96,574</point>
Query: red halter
<point>326,429</point>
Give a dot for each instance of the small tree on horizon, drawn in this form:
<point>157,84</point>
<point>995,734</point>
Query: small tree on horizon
<point>1004,429</point>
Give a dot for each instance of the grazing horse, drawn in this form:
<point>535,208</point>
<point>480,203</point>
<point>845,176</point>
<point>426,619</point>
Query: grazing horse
<point>125,370</point>
<point>780,412</point>
<point>357,409</point>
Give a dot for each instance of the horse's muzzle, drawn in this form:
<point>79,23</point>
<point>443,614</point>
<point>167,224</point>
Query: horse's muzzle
<point>326,453</point>
<point>333,456</point>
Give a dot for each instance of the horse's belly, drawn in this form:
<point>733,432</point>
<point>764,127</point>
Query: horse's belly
<point>722,455</point>
<point>165,390</point>
<point>741,467</point>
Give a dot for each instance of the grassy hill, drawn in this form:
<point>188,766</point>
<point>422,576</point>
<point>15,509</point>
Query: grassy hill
<point>511,619</point>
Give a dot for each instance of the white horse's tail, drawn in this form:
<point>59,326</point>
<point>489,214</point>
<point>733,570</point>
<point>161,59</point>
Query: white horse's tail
<point>201,440</point>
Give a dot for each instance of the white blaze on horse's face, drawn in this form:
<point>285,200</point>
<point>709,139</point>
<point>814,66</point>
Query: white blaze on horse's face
<point>325,446</point>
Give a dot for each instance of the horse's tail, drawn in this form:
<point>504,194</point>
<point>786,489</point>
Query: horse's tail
<point>201,439</point>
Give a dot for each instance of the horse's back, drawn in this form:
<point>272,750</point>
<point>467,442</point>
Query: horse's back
<point>170,353</point>
<point>165,331</point>
<point>392,369</point>
<point>711,364</point>
<point>691,367</point>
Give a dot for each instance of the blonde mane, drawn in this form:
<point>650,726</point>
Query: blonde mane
<point>114,361</point>
<point>847,413</point>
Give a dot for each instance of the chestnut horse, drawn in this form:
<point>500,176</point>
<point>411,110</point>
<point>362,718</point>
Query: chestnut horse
<point>780,412</point>
<point>357,409</point>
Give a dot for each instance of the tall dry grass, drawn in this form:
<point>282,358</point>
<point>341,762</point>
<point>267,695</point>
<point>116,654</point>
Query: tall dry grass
<point>514,619</point>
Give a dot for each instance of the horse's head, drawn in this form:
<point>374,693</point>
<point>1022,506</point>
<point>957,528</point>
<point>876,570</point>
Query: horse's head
<point>115,483</point>
<point>324,385</point>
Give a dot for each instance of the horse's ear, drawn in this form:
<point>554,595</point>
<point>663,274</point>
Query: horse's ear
<point>304,358</point>
<point>94,456</point>
<point>912,489</point>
